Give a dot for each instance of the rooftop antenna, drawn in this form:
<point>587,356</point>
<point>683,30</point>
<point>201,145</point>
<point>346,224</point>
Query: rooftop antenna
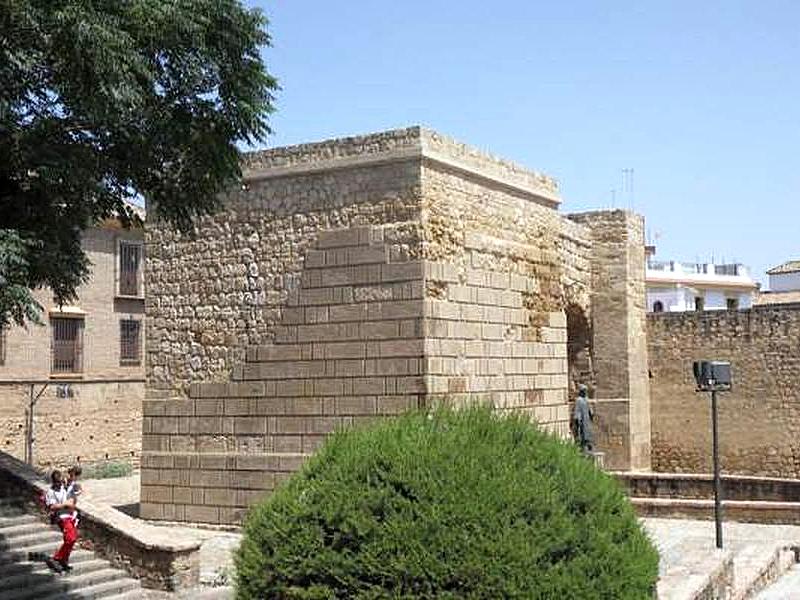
<point>623,185</point>
<point>613,198</point>
<point>627,186</point>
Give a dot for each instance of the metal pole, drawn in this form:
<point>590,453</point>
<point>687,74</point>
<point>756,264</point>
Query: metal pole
<point>717,483</point>
<point>29,440</point>
<point>31,407</point>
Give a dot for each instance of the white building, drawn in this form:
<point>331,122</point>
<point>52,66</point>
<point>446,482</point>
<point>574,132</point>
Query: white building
<point>784,285</point>
<point>677,287</point>
<point>785,278</point>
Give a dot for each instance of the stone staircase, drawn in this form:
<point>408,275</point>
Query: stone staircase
<point>745,499</point>
<point>24,536</point>
<point>785,588</point>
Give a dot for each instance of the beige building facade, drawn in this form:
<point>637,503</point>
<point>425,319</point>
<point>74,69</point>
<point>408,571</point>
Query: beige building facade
<point>353,279</point>
<point>82,369</point>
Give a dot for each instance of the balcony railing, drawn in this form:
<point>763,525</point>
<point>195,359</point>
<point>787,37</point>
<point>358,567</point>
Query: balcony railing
<point>735,270</point>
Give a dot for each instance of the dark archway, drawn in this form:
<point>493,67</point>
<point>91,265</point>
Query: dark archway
<point>579,348</point>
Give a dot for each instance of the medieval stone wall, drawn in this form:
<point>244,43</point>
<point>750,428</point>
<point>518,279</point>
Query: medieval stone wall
<point>348,350</point>
<point>213,294</point>
<point>495,299</point>
<point>617,334</point>
<point>759,420</point>
<point>352,280</point>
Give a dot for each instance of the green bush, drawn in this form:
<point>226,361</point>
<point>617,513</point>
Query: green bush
<point>107,470</point>
<point>462,504</point>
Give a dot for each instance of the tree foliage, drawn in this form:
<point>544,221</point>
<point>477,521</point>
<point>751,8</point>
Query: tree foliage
<point>103,102</point>
<point>449,505</point>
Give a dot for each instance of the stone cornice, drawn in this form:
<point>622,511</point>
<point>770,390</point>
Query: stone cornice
<point>396,146</point>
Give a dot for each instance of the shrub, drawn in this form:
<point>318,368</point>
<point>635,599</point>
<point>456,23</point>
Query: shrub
<point>463,504</point>
<point>108,470</point>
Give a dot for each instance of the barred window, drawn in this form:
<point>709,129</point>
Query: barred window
<point>130,346</point>
<point>67,345</point>
<point>130,266</point>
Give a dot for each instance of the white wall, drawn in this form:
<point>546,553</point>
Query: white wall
<point>784,282</point>
<point>681,299</point>
<point>673,300</point>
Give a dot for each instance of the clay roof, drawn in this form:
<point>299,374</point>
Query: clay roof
<point>765,298</point>
<point>793,266</point>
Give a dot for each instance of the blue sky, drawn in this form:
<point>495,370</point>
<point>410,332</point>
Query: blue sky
<point>700,99</point>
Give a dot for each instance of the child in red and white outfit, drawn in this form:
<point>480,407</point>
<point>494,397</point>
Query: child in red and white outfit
<point>62,510</point>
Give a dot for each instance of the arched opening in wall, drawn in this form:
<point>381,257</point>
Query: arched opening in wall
<point>579,349</point>
<point>658,306</point>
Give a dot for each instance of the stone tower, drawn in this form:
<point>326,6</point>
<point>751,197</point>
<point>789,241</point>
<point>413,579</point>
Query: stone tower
<point>356,278</point>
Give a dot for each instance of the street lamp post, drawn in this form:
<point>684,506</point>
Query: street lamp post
<point>714,377</point>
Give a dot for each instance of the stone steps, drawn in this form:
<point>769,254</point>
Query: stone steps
<point>739,574</point>
<point>743,511</point>
<point>21,574</point>
<point>785,588</point>
<point>700,486</point>
<point>22,555</point>
<point>26,541</point>
<point>696,575</point>
<point>30,538</point>
<point>756,566</point>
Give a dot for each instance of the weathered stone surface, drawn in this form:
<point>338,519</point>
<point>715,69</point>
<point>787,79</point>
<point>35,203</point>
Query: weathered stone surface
<point>758,420</point>
<point>617,336</point>
<point>354,280</point>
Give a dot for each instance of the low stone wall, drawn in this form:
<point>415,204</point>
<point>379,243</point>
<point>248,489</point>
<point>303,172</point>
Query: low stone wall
<point>700,486</point>
<point>158,557</point>
<point>759,420</point>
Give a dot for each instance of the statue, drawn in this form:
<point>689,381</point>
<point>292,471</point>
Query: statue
<point>582,420</point>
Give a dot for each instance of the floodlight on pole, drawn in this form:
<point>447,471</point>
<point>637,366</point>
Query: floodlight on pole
<point>714,377</point>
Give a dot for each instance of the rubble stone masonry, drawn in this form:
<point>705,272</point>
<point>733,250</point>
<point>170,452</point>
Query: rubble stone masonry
<point>351,280</point>
<point>758,420</point>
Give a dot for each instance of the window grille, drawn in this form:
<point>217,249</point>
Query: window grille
<point>67,345</point>
<point>130,264</point>
<point>130,349</point>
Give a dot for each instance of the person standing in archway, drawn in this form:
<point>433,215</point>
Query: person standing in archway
<point>582,420</point>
